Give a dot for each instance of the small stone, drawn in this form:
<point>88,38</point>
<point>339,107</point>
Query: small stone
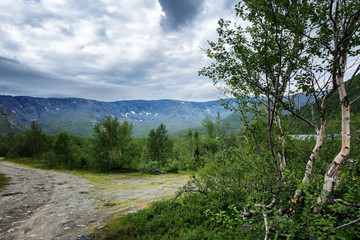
<point>134,211</point>
<point>92,221</point>
<point>82,237</point>
<point>109,204</point>
<point>11,230</point>
<point>100,227</point>
<point>66,228</point>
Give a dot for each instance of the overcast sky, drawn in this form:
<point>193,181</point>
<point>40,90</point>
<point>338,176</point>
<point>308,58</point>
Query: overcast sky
<point>108,49</point>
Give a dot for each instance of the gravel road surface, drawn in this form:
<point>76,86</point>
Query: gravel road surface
<point>39,204</point>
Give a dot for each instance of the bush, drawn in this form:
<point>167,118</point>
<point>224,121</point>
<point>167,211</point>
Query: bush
<point>180,219</point>
<point>172,167</point>
<point>3,181</point>
<point>51,159</point>
<point>149,167</point>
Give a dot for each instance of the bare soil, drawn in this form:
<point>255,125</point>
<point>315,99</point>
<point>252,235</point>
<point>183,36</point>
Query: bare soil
<point>39,204</point>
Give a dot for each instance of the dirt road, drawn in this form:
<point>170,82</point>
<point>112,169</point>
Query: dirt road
<point>38,204</point>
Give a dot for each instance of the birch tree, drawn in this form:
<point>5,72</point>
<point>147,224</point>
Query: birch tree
<point>159,145</point>
<point>299,45</point>
<point>112,142</point>
<point>338,21</point>
<point>257,64</point>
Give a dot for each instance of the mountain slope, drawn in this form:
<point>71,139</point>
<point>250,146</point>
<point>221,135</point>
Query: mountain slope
<point>333,112</point>
<point>8,121</point>
<point>78,116</point>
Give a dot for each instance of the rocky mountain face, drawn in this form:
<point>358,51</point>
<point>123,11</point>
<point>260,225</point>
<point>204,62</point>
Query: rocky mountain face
<point>9,122</point>
<point>78,116</point>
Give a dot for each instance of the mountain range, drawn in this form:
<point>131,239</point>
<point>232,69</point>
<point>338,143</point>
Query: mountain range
<point>78,116</point>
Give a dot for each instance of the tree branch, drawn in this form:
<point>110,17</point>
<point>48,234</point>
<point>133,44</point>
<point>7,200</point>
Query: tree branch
<point>343,202</point>
<point>187,191</point>
<point>355,100</point>
<point>266,226</point>
<point>264,89</point>
<point>347,224</point>
<point>353,76</point>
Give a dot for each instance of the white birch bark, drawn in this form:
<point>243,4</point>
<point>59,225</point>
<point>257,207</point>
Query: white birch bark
<point>333,171</point>
<point>315,152</point>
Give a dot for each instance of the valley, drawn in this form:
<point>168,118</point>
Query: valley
<point>78,116</point>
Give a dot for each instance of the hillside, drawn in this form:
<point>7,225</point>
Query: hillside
<point>78,116</point>
<point>334,112</point>
<point>8,121</point>
<point>300,100</point>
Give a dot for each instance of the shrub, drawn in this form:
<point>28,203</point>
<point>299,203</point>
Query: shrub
<point>149,167</point>
<point>172,167</point>
<point>51,159</point>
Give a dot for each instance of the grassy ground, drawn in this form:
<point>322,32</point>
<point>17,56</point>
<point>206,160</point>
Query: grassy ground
<point>3,180</point>
<point>28,162</point>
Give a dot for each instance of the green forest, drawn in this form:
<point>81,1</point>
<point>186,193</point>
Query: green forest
<point>288,173</point>
<point>114,149</point>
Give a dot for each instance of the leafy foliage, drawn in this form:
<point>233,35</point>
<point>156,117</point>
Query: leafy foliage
<point>112,143</point>
<point>35,140</point>
<point>159,145</point>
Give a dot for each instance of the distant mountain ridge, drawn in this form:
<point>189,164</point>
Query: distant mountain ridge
<point>78,115</point>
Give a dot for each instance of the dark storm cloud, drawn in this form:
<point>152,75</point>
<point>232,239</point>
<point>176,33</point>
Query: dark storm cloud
<point>18,79</point>
<point>13,69</point>
<point>21,79</point>
<point>179,13</point>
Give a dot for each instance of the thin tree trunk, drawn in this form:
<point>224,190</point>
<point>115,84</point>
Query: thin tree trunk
<point>333,171</point>
<point>286,80</point>
<point>281,153</point>
<point>310,164</point>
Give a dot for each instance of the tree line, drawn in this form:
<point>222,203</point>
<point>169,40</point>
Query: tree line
<point>113,147</point>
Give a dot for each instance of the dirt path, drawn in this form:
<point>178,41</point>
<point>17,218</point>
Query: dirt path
<point>38,204</point>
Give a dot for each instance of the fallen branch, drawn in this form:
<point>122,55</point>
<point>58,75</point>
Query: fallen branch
<point>11,194</point>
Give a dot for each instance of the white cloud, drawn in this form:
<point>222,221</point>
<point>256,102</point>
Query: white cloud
<point>107,50</point>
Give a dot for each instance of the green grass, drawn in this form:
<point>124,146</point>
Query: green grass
<point>167,219</point>
<point>3,181</point>
<point>28,162</point>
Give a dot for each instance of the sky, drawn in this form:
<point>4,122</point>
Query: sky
<point>109,50</point>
